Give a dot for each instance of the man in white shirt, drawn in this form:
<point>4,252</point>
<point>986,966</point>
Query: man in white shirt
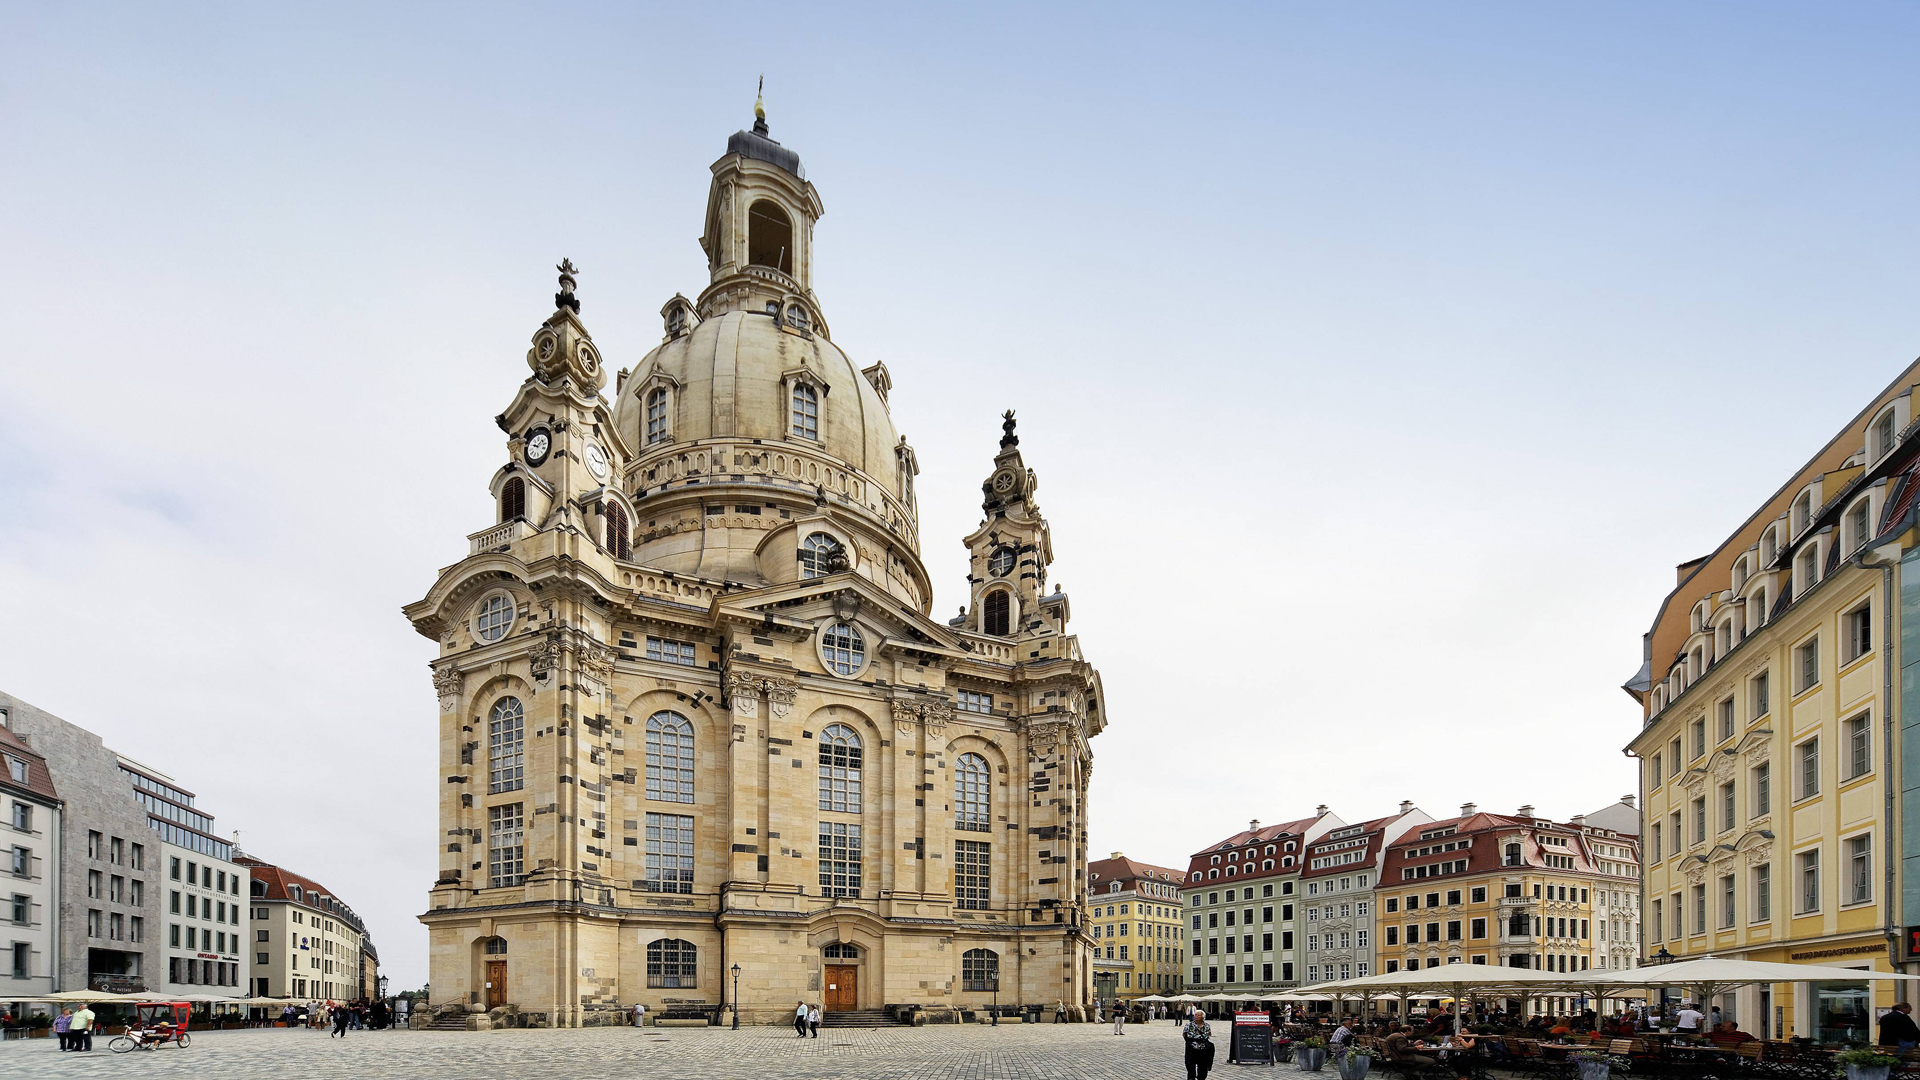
<point>1688,1020</point>
<point>639,1014</point>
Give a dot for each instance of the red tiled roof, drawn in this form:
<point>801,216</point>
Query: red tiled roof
<point>1124,869</point>
<point>276,881</point>
<point>39,780</point>
<point>1484,855</point>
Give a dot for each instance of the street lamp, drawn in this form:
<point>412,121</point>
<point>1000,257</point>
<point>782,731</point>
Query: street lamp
<point>996,999</point>
<point>736,997</point>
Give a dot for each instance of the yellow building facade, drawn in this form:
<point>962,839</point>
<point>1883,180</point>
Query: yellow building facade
<point>1768,745</point>
<point>1135,916</point>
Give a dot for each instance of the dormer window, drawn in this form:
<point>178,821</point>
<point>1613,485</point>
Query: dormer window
<point>1881,437</point>
<point>1739,573</point>
<point>804,412</point>
<point>1806,569</point>
<point>1802,512</point>
<point>1859,528</point>
<point>797,318</point>
<point>656,414</point>
<point>1769,548</point>
<point>816,553</point>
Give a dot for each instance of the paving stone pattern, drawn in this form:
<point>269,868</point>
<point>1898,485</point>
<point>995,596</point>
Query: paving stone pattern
<point>970,1052</point>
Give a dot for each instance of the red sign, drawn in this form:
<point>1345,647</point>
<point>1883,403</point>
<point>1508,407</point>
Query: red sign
<point>1913,941</point>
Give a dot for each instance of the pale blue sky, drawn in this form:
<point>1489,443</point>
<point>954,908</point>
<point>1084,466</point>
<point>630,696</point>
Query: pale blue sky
<point>1379,362</point>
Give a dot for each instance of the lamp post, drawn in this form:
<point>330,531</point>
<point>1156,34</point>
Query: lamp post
<point>996,1000</point>
<point>736,997</point>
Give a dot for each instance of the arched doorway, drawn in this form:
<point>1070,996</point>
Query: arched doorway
<point>842,984</point>
<point>494,985</point>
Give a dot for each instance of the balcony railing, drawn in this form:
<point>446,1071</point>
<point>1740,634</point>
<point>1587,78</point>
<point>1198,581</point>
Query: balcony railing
<point>498,537</point>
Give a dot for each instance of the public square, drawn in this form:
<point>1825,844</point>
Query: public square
<point>945,1052</point>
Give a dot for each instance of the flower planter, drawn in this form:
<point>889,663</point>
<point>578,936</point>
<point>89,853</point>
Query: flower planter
<point>1355,1066</point>
<point>1598,1070</point>
<point>1868,1072</point>
<point>1310,1058</point>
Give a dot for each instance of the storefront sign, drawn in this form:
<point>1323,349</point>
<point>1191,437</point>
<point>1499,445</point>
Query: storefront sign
<point>1252,1039</point>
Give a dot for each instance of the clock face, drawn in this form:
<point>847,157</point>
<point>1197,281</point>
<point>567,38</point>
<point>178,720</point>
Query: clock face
<point>539,444</point>
<point>1003,482</point>
<point>596,461</point>
<point>1000,563</point>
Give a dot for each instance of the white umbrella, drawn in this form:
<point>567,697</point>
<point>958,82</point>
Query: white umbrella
<point>1711,976</point>
<point>1457,979</point>
<point>83,997</point>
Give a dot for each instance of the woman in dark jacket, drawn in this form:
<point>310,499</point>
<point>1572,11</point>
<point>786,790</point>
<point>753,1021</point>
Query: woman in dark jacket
<point>1199,1039</point>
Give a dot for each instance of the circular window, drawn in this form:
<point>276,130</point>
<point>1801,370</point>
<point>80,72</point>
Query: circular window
<point>844,650</point>
<point>496,615</point>
<point>1000,563</point>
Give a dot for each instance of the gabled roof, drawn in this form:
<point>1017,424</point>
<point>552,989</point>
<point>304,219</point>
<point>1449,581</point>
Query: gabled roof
<point>1124,870</point>
<point>276,883</point>
<point>39,780</point>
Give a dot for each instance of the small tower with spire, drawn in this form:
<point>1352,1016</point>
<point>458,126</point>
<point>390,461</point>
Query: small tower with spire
<point>1011,551</point>
<point>759,228</point>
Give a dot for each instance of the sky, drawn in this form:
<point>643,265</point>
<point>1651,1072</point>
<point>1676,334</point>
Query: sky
<point>1379,363</point>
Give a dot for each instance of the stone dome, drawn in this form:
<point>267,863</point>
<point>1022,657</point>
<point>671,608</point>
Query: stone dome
<point>731,378</point>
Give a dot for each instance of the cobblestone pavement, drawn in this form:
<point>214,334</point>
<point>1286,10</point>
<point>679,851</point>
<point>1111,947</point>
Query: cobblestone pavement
<point>969,1052</point>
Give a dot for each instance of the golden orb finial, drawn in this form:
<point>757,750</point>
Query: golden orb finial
<point>759,104</point>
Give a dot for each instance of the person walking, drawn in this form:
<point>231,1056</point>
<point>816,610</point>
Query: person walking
<point>1897,1028</point>
<point>1198,1037</point>
<point>800,1019</point>
<point>65,1020</point>
<point>813,1020</point>
<point>80,1030</point>
<point>1059,1012</point>
<point>1119,1018</point>
<point>341,1014</point>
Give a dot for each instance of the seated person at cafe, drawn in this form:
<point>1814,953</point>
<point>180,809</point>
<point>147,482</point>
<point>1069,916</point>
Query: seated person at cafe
<point>1401,1049</point>
<point>1728,1033</point>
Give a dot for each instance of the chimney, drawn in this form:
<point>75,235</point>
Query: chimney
<point>1467,809</point>
<point>1320,811</point>
<point>1525,811</point>
<point>1628,800</point>
<point>1406,806</point>
<point>1116,855</point>
<point>1577,820</point>
<point>1254,825</point>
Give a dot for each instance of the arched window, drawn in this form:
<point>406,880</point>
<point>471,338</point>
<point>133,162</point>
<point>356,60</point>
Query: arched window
<point>840,950</point>
<point>769,236</point>
<point>496,946</point>
<point>996,613</point>
<point>805,411</point>
<point>816,555</point>
<point>672,964</point>
<point>669,758</point>
<point>619,536</point>
<point>844,648</point>
<point>970,805</point>
<point>797,317</point>
<point>506,746</point>
<point>496,615</point>
<point>840,769</point>
<point>513,499</point>
<point>980,970</point>
<point>656,414</point>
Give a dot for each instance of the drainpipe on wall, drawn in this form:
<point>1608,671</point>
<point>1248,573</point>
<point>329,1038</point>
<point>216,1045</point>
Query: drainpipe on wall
<point>1878,558</point>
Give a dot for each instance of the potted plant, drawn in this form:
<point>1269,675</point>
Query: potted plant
<point>1312,1054</point>
<point>1354,1063</point>
<point>1866,1063</point>
<point>38,1025</point>
<point>1591,1064</point>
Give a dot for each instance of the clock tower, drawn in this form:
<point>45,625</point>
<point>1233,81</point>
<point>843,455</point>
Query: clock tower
<point>1011,551</point>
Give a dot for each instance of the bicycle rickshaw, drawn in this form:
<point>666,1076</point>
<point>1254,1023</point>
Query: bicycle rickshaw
<point>155,1024</point>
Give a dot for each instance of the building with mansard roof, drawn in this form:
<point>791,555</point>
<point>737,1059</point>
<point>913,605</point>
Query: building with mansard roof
<point>696,716</point>
<point>1243,905</point>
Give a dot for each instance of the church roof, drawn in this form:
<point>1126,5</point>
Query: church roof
<point>757,146</point>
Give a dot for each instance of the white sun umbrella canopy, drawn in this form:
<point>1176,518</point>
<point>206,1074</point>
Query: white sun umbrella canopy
<point>1712,975</point>
<point>1458,979</point>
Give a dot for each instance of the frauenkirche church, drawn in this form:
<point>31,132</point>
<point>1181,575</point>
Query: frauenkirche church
<point>694,710</point>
